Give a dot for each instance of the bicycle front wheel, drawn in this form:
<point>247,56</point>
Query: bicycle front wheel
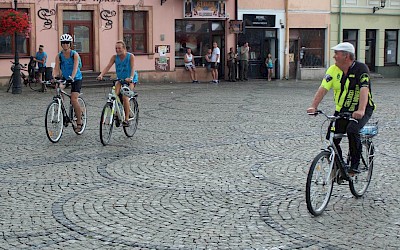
<point>54,121</point>
<point>106,124</point>
<point>36,85</point>
<point>319,185</point>
<point>133,117</point>
<point>82,105</point>
<point>359,184</point>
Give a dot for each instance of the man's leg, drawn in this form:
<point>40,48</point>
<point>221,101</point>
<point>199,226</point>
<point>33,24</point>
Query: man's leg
<point>355,147</point>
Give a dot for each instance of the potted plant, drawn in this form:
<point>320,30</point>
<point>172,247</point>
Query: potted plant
<point>12,21</point>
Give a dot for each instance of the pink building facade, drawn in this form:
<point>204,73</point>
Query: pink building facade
<point>156,31</point>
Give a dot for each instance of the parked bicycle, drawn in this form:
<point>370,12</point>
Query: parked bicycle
<point>29,79</point>
<point>329,167</point>
<point>113,113</point>
<point>57,116</point>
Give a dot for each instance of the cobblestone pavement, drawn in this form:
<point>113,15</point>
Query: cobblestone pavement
<point>210,167</point>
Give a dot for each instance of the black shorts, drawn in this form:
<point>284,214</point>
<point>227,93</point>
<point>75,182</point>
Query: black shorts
<point>214,65</point>
<point>75,86</point>
<point>42,69</point>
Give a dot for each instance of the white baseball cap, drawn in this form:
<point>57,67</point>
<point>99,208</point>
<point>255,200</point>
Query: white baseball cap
<point>346,46</point>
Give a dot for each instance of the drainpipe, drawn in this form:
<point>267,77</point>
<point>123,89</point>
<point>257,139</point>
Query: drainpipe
<point>286,52</point>
<point>340,22</point>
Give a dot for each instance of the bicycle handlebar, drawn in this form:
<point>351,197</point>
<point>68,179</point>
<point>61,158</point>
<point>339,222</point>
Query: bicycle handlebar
<point>57,80</point>
<point>342,115</point>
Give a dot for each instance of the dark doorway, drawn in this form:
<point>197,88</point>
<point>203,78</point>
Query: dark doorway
<point>293,58</point>
<point>370,49</point>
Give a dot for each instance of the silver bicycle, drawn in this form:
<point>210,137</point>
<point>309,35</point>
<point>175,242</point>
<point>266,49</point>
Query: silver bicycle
<point>113,113</point>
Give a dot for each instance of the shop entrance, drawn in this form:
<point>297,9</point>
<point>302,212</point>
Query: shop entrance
<point>261,42</point>
<point>80,26</point>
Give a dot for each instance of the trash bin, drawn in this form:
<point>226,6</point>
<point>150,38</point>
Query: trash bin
<point>48,75</point>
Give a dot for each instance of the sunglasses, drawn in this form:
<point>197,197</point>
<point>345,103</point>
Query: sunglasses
<point>65,42</point>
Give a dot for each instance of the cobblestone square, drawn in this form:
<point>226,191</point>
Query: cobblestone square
<point>210,167</point>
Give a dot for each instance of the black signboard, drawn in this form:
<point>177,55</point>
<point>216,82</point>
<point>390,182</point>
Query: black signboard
<point>259,20</point>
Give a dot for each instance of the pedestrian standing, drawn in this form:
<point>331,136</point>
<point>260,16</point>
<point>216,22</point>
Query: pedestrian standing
<point>232,65</point>
<point>215,60</point>
<point>244,61</point>
<point>269,62</point>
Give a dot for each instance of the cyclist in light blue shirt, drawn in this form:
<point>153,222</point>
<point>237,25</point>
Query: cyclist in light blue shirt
<point>67,61</point>
<point>125,69</point>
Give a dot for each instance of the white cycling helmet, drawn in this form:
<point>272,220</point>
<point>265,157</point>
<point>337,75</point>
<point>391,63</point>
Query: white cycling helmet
<point>66,38</point>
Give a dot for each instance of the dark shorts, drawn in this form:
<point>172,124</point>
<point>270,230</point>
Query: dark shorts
<point>42,69</point>
<point>75,86</point>
<point>214,65</point>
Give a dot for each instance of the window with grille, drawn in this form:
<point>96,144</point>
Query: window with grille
<point>351,36</point>
<point>391,48</point>
<point>135,31</point>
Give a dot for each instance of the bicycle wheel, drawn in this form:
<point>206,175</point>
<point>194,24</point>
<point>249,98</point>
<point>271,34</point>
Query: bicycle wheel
<point>133,117</point>
<point>82,104</point>
<point>106,124</point>
<point>35,85</point>
<point>54,121</point>
<point>10,83</point>
<point>359,184</point>
<point>319,185</point>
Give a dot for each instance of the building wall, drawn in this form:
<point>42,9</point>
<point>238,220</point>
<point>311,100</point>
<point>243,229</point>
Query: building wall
<point>161,31</point>
<point>358,15</point>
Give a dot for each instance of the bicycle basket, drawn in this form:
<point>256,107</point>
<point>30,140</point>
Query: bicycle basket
<point>126,91</point>
<point>370,129</point>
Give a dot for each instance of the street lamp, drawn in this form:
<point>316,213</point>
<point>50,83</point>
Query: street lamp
<point>17,88</point>
<point>381,7</point>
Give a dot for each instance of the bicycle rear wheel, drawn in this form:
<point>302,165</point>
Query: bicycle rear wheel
<point>133,117</point>
<point>10,83</point>
<point>319,185</point>
<point>82,104</point>
<point>359,184</point>
<point>106,124</point>
<point>54,121</point>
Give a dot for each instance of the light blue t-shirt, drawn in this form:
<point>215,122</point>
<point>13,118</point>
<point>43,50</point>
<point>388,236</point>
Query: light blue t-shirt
<point>67,66</point>
<point>123,68</point>
<point>39,56</point>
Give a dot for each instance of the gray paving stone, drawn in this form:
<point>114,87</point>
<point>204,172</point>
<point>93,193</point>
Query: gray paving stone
<point>210,167</point>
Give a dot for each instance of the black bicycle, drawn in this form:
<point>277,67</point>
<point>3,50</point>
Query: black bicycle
<point>57,116</point>
<point>29,76</point>
<point>329,167</point>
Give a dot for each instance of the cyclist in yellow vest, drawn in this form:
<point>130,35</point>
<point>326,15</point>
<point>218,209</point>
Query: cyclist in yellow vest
<point>351,85</point>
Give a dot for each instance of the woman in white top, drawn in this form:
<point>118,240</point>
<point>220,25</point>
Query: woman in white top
<point>189,65</point>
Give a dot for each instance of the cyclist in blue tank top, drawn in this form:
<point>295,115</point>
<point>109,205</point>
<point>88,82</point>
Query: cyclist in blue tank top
<point>124,67</point>
<point>67,61</point>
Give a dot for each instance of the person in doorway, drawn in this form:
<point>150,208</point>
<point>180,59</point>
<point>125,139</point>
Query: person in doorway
<point>352,94</point>
<point>269,63</point>
<point>125,69</point>
<point>232,65</point>
<point>207,57</point>
<point>190,65</point>
<point>244,61</point>
<point>215,60</point>
<point>41,58</point>
<point>67,62</point>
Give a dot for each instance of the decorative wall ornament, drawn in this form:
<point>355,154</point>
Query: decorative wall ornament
<point>106,15</point>
<point>44,14</point>
<point>139,4</point>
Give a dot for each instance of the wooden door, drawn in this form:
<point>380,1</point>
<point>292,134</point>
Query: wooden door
<point>82,33</point>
